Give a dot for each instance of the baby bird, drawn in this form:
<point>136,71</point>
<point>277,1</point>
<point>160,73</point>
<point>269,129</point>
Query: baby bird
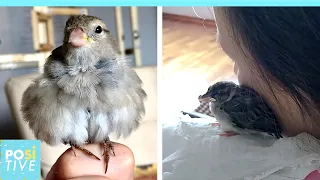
<point>240,109</point>
<point>86,92</point>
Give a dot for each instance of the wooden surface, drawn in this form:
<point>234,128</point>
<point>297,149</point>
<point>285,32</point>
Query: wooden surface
<point>187,19</point>
<point>67,11</point>
<point>192,60</point>
<point>60,10</point>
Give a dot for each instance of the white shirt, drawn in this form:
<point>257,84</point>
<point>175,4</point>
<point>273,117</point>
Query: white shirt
<point>193,149</point>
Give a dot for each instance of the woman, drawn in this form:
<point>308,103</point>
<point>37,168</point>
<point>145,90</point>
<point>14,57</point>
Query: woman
<point>276,52</point>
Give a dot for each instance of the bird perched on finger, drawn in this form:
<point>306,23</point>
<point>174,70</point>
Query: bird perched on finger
<point>239,109</point>
<point>87,90</point>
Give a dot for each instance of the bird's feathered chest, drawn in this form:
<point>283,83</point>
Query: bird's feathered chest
<point>103,73</point>
<point>92,81</point>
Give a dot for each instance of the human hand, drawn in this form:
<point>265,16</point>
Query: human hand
<point>83,167</point>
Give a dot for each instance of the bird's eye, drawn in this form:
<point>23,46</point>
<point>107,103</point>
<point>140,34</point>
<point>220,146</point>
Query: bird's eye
<point>98,29</point>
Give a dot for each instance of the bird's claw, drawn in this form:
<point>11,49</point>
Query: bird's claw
<point>107,146</point>
<point>83,150</point>
<point>228,134</point>
<point>74,151</point>
<point>215,124</point>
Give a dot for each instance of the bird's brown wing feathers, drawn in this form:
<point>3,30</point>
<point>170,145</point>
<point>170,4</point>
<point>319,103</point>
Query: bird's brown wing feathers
<point>248,110</point>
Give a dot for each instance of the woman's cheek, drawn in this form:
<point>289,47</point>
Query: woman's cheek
<point>235,68</point>
<point>243,74</point>
<point>238,73</point>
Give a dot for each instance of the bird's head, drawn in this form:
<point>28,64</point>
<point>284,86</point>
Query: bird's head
<point>85,33</point>
<point>219,92</point>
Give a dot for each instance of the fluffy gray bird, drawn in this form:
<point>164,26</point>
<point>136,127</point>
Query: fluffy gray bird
<point>240,109</point>
<point>86,92</point>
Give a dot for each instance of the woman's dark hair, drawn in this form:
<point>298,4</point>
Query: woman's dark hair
<point>285,43</point>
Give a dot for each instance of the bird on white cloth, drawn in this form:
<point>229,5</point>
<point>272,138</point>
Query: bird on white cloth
<point>87,90</point>
<point>239,109</point>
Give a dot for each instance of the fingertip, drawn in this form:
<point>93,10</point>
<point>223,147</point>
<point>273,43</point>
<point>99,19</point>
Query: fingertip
<point>122,164</point>
<point>69,166</point>
<point>124,159</point>
<point>126,153</point>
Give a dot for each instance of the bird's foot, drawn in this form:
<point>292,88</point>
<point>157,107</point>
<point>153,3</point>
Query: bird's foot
<point>215,124</point>
<point>74,147</point>
<point>228,133</point>
<point>107,146</point>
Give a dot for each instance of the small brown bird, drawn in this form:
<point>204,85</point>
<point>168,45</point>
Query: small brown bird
<point>86,92</point>
<point>240,109</point>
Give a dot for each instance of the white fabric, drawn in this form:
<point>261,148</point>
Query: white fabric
<point>194,150</point>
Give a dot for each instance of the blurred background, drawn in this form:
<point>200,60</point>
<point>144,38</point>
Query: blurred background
<point>191,59</point>
<point>29,34</point>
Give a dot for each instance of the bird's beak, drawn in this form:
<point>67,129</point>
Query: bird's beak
<point>78,38</point>
<point>206,99</point>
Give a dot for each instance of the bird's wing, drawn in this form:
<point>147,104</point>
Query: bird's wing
<point>55,65</point>
<point>248,110</point>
